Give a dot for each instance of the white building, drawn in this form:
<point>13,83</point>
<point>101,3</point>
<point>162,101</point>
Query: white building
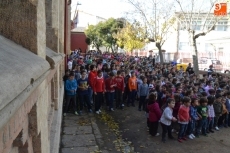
<point>84,19</point>
<point>215,44</point>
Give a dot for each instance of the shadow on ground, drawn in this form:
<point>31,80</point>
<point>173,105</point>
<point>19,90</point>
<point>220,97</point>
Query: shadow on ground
<point>132,124</point>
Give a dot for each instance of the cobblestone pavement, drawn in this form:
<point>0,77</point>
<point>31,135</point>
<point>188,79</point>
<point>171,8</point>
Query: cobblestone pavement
<point>80,134</point>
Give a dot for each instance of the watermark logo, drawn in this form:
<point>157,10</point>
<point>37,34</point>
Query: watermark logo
<point>220,9</point>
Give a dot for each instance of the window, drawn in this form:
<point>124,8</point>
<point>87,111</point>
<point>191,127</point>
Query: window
<point>220,50</point>
<point>221,28</point>
<point>183,25</point>
<point>196,27</point>
<point>209,22</point>
<point>199,22</point>
<point>183,46</point>
<point>208,47</point>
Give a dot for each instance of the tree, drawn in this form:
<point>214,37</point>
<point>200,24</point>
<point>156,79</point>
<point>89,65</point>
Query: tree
<point>158,19</point>
<point>131,37</point>
<point>93,33</point>
<point>102,33</point>
<point>107,29</point>
<point>88,41</point>
<point>194,15</point>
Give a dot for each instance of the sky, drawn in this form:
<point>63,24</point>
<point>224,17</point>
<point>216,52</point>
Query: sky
<point>102,8</point>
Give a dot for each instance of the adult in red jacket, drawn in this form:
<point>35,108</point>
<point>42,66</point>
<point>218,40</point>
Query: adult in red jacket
<point>91,77</point>
<point>154,114</point>
<point>99,90</point>
<point>119,89</point>
<point>110,85</point>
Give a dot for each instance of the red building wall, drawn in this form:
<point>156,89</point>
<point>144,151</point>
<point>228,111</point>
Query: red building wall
<point>78,41</point>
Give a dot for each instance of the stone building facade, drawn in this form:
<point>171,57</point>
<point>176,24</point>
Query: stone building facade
<point>32,45</point>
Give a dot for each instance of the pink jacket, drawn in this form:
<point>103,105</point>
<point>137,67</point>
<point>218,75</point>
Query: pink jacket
<point>154,112</point>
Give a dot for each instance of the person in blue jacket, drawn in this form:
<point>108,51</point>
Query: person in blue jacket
<point>71,89</point>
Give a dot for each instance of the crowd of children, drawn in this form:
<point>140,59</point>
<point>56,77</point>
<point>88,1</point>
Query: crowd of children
<point>176,99</point>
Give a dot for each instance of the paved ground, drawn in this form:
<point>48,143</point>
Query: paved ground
<point>80,134</point>
<point>91,133</point>
<point>133,123</point>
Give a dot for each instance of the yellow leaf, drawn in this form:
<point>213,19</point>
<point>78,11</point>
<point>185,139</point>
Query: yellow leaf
<point>141,146</point>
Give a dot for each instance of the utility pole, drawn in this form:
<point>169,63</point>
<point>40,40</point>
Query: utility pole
<point>75,18</point>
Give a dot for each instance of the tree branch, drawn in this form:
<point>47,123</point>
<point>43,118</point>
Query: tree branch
<point>191,13</point>
<point>204,33</point>
<point>165,32</point>
<point>208,15</point>
<point>142,13</point>
<point>183,13</point>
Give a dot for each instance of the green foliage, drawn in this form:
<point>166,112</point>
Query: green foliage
<point>93,34</point>
<point>103,33</point>
<point>88,41</point>
<point>131,37</point>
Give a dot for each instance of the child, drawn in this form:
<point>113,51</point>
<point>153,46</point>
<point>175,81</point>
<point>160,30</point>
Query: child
<point>183,118</point>
<point>181,72</point>
<point>167,94</point>
<point>211,114</point>
<point>143,91</point>
<point>218,108</point>
<point>201,89</point>
<point>151,85</point>
<point>194,118</point>
<point>119,89</point>
<point>195,92</point>
<point>110,85</point>
<point>99,90</point>
<point>154,114</point>
<point>83,92</point>
<point>202,111</point>
<point>71,88</point>
<point>147,116</point>
<point>227,104</point>
<point>65,77</point>
<point>132,84</point>
<point>92,75</point>
<point>167,118</point>
<point>224,115</point>
<point>175,110</point>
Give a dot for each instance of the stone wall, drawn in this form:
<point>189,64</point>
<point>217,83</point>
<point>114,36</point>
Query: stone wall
<point>30,117</point>
<point>24,25</point>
